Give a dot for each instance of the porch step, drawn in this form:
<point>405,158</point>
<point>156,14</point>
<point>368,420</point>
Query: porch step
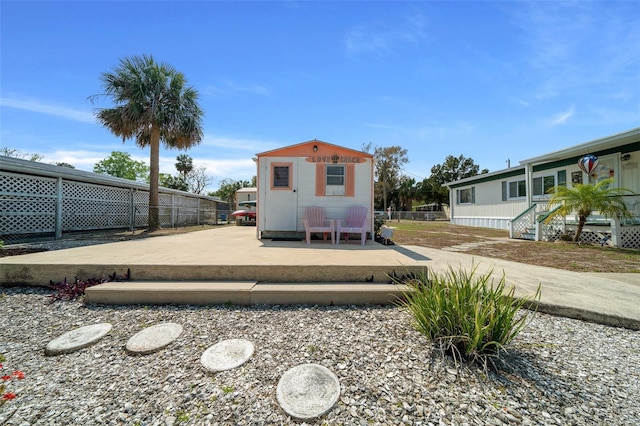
<point>242,293</point>
<point>528,236</point>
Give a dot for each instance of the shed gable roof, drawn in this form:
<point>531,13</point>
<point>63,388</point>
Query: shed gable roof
<point>306,149</point>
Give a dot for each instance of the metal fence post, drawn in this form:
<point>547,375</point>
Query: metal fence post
<point>132,210</point>
<point>58,208</point>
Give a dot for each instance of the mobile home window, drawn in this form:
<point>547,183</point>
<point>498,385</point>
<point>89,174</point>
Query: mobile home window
<point>562,178</point>
<point>466,196</point>
<point>517,189</point>
<point>542,184</point>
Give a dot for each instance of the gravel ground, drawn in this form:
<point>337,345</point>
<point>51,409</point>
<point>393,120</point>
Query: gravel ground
<point>560,371</point>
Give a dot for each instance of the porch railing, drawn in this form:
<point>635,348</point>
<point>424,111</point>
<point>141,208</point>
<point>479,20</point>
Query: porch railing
<point>624,233</point>
<point>524,223</point>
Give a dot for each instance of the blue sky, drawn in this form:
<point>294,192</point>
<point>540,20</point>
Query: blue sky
<point>488,80</point>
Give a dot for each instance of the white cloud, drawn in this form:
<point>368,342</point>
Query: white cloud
<point>236,169</point>
<point>562,117</point>
<point>229,87</point>
<point>243,144</point>
<point>577,47</point>
<point>384,39</point>
<point>49,109</point>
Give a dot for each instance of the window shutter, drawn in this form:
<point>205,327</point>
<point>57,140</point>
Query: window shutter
<point>473,194</point>
<point>504,190</point>
<point>321,186</point>
<point>350,180</point>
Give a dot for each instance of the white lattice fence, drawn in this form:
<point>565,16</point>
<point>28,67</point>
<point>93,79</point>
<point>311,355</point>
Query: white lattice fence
<point>595,237</point>
<point>141,208</point>
<point>553,230</point>
<point>630,236</point>
<point>46,206</point>
<point>523,223</point>
<point>88,206</point>
<point>27,205</point>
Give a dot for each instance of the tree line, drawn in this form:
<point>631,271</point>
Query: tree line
<point>396,189</point>
<point>119,164</point>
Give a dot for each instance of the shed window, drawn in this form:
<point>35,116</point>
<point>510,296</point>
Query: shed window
<point>281,176</point>
<point>335,175</point>
<point>335,179</point>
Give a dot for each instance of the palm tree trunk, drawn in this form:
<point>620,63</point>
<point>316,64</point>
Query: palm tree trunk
<point>154,172</point>
<point>581,222</point>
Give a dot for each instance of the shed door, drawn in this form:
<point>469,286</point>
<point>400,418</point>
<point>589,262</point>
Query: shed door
<point>281,213</point>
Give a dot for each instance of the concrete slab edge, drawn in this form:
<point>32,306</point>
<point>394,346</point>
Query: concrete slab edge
<point>217,293</point>
<point>584,315</point>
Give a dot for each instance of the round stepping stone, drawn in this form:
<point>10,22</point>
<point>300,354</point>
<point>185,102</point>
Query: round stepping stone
<point>153,338</point>
<point>308,391</point>
<point>227,354</point>
<point>77,339</point>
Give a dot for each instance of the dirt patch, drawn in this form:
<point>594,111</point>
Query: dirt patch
<point>559,255</point>
<point>4,252</point>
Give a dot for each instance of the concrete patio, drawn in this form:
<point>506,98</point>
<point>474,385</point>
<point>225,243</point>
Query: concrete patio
<point>230,265</point>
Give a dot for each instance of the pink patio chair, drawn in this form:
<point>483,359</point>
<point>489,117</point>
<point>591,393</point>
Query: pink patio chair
<point>356,223</point>
<point>315,222</point>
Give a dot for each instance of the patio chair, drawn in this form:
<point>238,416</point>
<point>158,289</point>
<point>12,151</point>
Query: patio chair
<point>356,223</point>
<point>316,222</point>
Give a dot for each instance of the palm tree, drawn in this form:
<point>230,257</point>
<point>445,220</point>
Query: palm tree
<point>585,199</point>
<point>406,192</point>
<point>184,165</point>
<point>153,104</point>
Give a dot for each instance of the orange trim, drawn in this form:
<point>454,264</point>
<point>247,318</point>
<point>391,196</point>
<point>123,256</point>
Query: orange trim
<point>321,189</point>
<point>273,175</point>
<point>323,149</point>
<point>350,180</point>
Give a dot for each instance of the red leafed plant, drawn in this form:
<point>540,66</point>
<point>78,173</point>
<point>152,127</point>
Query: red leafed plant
<point>5,379</point>
<point>71,290</point>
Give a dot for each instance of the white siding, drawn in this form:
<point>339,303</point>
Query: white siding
<point>335,205</point>
<point>488,204</point>
<point>630,172</point>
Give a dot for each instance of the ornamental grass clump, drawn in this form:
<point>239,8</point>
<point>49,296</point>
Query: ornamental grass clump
<point>465,314</point>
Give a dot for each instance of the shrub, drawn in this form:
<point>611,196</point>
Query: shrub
<point>464,313</point>
<point>71,290</point>
<point>378,222</point>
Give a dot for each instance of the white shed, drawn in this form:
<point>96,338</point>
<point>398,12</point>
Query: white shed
<point>246,197</point>
<point>313,173</point>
